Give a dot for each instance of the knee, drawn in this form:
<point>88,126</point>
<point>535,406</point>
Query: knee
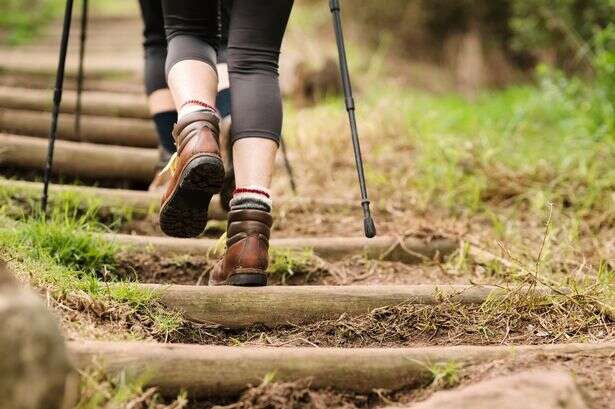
<point>252,61</point>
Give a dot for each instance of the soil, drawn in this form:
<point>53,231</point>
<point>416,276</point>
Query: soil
<point>148,267</point>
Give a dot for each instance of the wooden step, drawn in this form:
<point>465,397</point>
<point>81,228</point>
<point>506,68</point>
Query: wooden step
<point>93,102</point>
<point>80,159</point>
<point>124,87</point>
<point>222,371</point>
<point>83,159</point>
<point>237,307</point>
<point>405,249</point>
<point>96,67</point>
<point>143,202</point>
<point>94,129</point>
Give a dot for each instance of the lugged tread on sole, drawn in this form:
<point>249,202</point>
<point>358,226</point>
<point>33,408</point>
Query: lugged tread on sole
<point>185,213</point>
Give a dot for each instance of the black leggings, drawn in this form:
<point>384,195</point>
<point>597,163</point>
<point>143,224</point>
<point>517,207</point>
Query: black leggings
<point>155,42</point>
<point>255,36</point>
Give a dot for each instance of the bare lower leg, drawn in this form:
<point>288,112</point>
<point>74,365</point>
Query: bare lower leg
<point>161,101</point>
<point>253,161</point>
<point>192,80</point>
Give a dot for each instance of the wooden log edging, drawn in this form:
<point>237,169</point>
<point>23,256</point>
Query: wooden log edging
<point>95,70</point>
<point>79,158</point>
<point>101,130</point>
<point>102,85</point>
<point>224,371</point>
<point>93,103</point>
<point>87,159</point>
<point>141,201</point>
<point>237,307</point>
<point>406,250</point>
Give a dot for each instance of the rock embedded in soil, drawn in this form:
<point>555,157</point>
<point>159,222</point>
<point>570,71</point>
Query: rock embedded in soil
<point>34,366</point>
<point>526,390</point>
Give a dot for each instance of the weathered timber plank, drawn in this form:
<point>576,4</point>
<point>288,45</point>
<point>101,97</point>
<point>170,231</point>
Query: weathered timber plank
<point>220,371</point>
<point>272,306</point>
<point>80,159</point>
<point>94,129</point>
<point>407,250</point>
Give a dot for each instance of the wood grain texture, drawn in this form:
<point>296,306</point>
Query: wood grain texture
<point>219,371</point>
<point>102,130</point>
<point>273,306</point>
<point>406,250</point>
<point>93,103</point>
<point>80,159</point>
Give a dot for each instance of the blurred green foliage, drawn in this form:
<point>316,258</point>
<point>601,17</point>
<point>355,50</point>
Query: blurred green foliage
<point>527,30</point>
<point>20,20</point>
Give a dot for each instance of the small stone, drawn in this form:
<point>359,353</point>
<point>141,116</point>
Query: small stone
<point>526,390</point>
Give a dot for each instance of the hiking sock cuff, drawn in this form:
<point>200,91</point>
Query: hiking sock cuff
<point>251,197</point>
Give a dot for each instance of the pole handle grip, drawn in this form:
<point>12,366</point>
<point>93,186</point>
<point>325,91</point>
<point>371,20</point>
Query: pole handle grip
<point>369,227</point>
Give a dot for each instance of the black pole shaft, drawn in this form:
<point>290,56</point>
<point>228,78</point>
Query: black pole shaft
<point>80,75</point>
<point>369,226</point>
<point>57,99</point>
<point>289,168</point>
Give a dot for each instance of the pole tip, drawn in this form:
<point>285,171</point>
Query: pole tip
<point>370,227</point>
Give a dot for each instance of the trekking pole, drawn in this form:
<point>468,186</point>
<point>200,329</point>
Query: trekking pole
<point>368,221</point>
<point>80,75</point>
<point>57,99</point>
<point>289,169</point>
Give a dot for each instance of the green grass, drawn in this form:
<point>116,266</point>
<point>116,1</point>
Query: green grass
<point>63,255</point>
<point>444,374</point>
<point>99,390</point>
<point>20,204</point>
<point>21,21</point>
<point>284,263</point>
<point>520,145</point>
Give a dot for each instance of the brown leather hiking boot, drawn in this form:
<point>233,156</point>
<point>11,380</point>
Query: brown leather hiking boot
<point>197,174</point>
<point>246,258</point>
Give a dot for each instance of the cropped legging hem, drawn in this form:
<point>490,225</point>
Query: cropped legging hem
<point>184,47</point>
<point>255,133</point>
<point>256,29</point>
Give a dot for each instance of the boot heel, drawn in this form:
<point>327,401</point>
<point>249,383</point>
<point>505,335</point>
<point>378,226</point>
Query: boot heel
<point>248,280</point>
<point>204,173</point>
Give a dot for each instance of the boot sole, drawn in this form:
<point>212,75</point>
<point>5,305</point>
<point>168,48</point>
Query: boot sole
<point>256,279</point>
<point>247,280</point>
<point>185,212</point>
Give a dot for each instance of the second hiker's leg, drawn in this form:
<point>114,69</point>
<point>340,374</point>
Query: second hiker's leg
<point>197,171</point>
<point>255,37</point>
<point>160,101</point>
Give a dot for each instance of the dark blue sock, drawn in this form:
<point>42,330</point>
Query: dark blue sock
<point>164,126</point>
<point>223,102</point>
